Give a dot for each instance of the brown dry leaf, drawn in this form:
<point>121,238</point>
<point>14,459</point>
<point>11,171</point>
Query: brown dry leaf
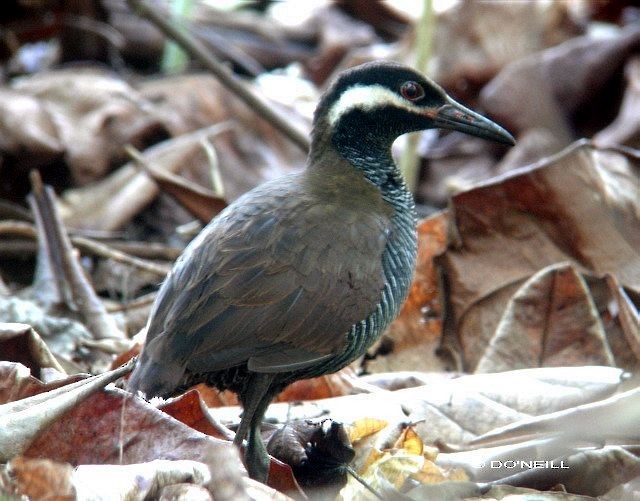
<point>23,421</point>
<point>90,434</point>
<point>190,410</point>
<point>544,90</point>
<point>388,470</point>
<point>213,397</point>
<point>200,202</point>
<point>532,146</point>
<point>475,40</point>
<point>94,113</point>
<point>16,382</point>
<point>625,129</point>
<point>249,153</point>
<point>330,385</point>
<point>411,339</point>
<point>550,321</point>
<point>410,442</point>
<point>457,410</point>
<point>186,103</point>
<point>628,317</point>
<point>42,479</point>
<point>62,335</point>
<point>26,125</point>
<point>508,229</point>
<point>20,343</point>
<point>112,202</point>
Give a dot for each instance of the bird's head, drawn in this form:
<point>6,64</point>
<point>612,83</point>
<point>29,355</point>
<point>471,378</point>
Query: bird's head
<point>374,103</point>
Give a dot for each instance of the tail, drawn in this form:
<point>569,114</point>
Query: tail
<point>155,379</point>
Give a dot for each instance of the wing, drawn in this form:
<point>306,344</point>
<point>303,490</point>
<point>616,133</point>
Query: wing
<point>275,281</point>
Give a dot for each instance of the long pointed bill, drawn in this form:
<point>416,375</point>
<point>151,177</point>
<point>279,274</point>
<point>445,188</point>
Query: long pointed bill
<point>456,117</point>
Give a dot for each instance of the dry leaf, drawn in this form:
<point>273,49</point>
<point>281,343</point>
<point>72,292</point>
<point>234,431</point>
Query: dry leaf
<point>136,481</point>
<point>20,343</point>
<point>362,428</point>
<point>545,89</point>
<point>580,206</point>
<point>457,410</point>
<point>94,113</point>
<point>550,321</point>
<point>42,479</point>
<point>474,40</point>
<point>625,129</point>
<point>190,410</point>
<point>91,433</point>
<point>24,422</point>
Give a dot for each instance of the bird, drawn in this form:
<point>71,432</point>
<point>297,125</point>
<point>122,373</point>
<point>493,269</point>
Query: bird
<point>299,276</point>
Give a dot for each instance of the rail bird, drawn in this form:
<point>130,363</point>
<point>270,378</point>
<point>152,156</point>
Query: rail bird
<point>298,277</point>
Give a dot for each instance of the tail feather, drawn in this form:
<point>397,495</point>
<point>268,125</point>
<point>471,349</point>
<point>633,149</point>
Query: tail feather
<point>154,379</point>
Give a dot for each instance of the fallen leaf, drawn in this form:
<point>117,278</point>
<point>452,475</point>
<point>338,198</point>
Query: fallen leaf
<point>92,432</point>
<point>190,410</point>
<point>94,113</point>
<point>550,321</point>
<point>475,40</point>
<point>508,229</point>
<point>625,129</point>
<point>42,479</point>
<point>136,481</point>
<point>546,89</point>
<point>457,410</point>
<point>23,422</point>
<point>20,343</point>
<point>362,428</point>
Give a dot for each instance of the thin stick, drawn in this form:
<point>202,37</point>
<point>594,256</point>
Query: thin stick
<point>204,57</point>
<point>87,245</point>
<point>58,259</point>
<point>102,250</point>
<point>355,475</point>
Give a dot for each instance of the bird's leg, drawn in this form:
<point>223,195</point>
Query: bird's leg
<point>257,388</point>
<point>256,457</point>
<point>255,401</point>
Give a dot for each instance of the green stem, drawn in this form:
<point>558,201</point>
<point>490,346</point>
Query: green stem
<point>174,59</point>
<point>424,41</point>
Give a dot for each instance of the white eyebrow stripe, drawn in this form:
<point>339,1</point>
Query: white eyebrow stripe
<point>367,97</point>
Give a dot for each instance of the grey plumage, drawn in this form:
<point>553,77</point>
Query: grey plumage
<point>299,276</point>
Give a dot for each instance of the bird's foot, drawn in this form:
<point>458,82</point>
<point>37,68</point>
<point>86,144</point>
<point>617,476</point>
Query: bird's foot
<point>256,458</point>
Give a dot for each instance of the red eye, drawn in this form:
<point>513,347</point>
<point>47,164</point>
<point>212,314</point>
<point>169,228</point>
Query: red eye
<point>412,91</point>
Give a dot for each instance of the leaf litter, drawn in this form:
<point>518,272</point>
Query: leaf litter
<point>512,369</point>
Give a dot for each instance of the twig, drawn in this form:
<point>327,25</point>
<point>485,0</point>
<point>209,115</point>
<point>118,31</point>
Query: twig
<point>355,475</point>
<point>140,302</point>
<point>57,254</point>
<point>200,202</point>
<point>199,52</point>
<point>214,165</point>
<point>107,252</point>
<point>19,228</point>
